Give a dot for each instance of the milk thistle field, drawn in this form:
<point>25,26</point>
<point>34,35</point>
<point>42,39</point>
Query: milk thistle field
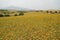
<point>31,26</point>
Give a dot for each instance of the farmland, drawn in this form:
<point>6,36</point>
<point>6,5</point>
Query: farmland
<point>31,26</point>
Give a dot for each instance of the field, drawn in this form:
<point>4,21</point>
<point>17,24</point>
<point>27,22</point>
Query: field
<point>31,26</point>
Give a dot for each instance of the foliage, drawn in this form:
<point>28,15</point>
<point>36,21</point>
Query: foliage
<point>55,11</point>
<point>21,13</point>
<point>41,10</point>
<point>3,10</point>
<point>51,12</point>
<point>1,15</point>
<point>7,15</point>
<point>15,15</point>
<point>59,11</point>
<point>47,11</point>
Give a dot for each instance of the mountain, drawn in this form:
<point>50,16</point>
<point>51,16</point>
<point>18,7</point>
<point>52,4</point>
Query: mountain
<point>15,8</point>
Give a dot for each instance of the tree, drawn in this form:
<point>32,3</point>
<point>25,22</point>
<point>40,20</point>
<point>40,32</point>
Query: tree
<point>15,15</point>
<point>51,12</point>
<point>1,15</point>
<point>47,11</point>
<point>41,10</point>
<point>55,11</point>
<point>59,11</point>
<point>21,13</point>
<point>6,15</point>
<point>37,11</point>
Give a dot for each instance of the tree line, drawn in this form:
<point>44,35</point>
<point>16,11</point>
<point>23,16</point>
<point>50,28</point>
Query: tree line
<point>7,14</point>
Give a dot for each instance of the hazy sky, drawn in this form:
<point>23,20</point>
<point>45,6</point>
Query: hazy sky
<point>32,4</point>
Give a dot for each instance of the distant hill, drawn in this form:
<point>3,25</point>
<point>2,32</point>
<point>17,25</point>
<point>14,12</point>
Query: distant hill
<point>15,8</point>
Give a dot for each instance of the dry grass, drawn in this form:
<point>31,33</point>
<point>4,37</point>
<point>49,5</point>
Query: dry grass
<point>34,26</point>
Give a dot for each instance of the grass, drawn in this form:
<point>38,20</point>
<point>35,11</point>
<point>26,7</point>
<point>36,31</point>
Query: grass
<point>31,26</point>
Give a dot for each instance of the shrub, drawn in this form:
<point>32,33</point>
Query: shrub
<point>1,15</point>
<point>25,11</point>
<point>4,12</point>
<point>41,10</point>
<point>55,11</point>
<point>15,15</point>
<point>6,15</point>
<point>21,13</point>
<point>59,11</point>
<point>37,11</point>
<point>47,11</point>
<point>51,12</point>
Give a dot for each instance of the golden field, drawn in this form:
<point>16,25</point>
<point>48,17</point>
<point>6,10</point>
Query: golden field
<point>31,26</point>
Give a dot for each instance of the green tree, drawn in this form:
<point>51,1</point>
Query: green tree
<point>55,11</point>
<point>7,15</point>
<point>15,15</point>
<point>47,11</point>
<point>59,11</point>
<point>1,15</point>
<point>21,13</point>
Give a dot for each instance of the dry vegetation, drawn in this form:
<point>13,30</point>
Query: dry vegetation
<point>31,26</point>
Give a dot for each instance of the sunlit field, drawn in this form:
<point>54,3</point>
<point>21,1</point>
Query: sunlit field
<point>31,26</point>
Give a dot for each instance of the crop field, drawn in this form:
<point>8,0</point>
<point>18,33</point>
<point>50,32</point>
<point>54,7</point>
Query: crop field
<point>31,26</point>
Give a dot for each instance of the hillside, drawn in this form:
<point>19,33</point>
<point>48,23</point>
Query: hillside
<point>14,8</point>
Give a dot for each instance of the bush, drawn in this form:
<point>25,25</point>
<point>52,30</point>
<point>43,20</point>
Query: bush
<point>55,11</point>
<point>21,13</point>
<point>51,12</point>
<point>37,11</point>
<point>6,15</point>
<point>41,10</point>
<point>15,15</point>
<point>59,11</point>
<point>4,12</point>
<point>1,15</point>
<point>25,11</point>
<point>47,11</point>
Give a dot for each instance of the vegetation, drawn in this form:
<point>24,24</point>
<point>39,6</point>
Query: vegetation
<point>55,11</point>
<point>31,26</point>
<point>3,10</point>
<point>1,15</point>
<point>41,10</point>
<point>21,13</point>
<point>47,11</point>
<point>50,11</point>
<point>15,15</point>
<point>6,15</point>
<point>37,10</point>
<point>59,11</point>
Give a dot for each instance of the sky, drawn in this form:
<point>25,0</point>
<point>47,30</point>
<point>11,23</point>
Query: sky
<point>32,4</point>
